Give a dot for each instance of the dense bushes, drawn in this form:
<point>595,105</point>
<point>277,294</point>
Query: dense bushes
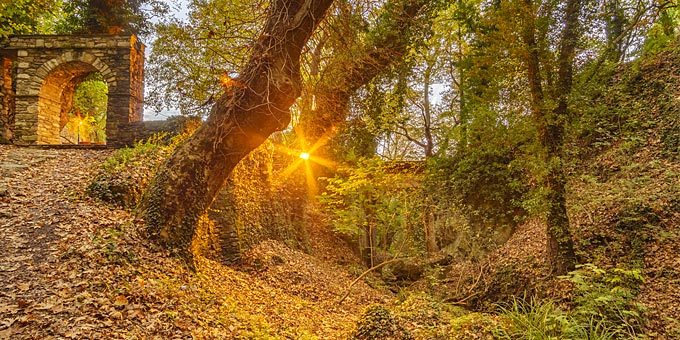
<point>379,207</point>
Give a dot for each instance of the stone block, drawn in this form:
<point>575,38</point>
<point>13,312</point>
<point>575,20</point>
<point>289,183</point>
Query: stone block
<point>88,58</point>
<point>22,53</point>
<point>33,92</point>
<point>23,65</point>
<point>41,73</point>
<point>52,63</point>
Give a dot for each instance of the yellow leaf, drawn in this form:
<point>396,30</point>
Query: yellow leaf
<point>121,300</point>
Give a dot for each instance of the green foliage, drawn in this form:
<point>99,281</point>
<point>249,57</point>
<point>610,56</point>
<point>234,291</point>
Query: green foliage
<point>541,320</point>
<point>354,141</point>
<point>607,297</point>
<point>534,320</point>
<point>190,61</point>
<point>123,177</point>
<point>664,31</point>
<point>603,307</point>
<point>29,16</point>
<point>110,16</point>
<point>376,204</point>
<point>78,16</point>
<point>377,322</point>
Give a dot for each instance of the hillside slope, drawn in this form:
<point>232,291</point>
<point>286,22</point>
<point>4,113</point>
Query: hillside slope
<point>623,205</point>
<point>73,267</point>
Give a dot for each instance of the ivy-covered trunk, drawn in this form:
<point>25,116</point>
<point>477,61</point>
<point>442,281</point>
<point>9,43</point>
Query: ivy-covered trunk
<point>254,105</point>
<point>550,124</point>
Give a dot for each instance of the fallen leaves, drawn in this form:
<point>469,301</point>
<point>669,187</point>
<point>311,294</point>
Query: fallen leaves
<point>75,268</point>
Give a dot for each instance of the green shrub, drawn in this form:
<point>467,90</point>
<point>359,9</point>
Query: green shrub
<point>607,298</point>
<point>123,177</point>
<point>377,322</point>
<point>604,307</point>
<point>426,317</point>
<point>534,319</point>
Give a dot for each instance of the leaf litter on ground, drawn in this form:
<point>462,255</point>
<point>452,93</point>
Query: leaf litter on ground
<point>74,268</point>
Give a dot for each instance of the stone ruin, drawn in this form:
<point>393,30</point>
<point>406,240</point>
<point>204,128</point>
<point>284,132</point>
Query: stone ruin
<point>41,72</point>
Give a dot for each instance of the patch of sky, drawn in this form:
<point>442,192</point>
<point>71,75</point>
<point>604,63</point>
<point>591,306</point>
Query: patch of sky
<point>178,9</point>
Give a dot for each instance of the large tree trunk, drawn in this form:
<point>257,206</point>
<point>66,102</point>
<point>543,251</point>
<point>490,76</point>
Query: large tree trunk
<point>347,72</point>
<point>550,123</point>
<point>255,105</point>
<point>560,244</point>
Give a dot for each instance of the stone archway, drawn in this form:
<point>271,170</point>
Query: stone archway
<point>48,67</point>
<point>58,79</point>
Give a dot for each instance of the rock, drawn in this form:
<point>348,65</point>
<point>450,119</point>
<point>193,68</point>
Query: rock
<point>403,272</point>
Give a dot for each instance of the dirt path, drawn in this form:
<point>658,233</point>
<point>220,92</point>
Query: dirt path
<point>40,211</point>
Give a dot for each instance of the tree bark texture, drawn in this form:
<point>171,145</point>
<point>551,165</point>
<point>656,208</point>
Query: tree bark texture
<point>254,105</point>
<point>345,74</point>
<point>551,124</point>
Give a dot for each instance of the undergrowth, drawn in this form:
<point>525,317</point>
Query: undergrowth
<point>603,307</point>
<point>122,178</point>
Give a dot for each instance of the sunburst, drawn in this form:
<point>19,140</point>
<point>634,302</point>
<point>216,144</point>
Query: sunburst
<point>306,157</point>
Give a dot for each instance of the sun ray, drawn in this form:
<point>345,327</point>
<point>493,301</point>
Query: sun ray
<point>312,187</point>
<point>290,169</point>
<point>306,156</point>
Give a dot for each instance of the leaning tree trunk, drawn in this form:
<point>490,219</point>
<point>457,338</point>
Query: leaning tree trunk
<point>255,105</point>
<point>347,72</point>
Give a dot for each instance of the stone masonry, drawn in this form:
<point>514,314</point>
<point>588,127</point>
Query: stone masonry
<point>45,69</point>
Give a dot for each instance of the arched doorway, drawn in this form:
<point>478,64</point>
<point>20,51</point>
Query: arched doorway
<point>83,111</point>
<point>59,120</point>
<point>48,71</point>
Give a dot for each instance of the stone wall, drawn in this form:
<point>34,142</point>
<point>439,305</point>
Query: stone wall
<point>48,67</point>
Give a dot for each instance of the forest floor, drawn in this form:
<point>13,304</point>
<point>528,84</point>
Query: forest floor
<point>74,268</point>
